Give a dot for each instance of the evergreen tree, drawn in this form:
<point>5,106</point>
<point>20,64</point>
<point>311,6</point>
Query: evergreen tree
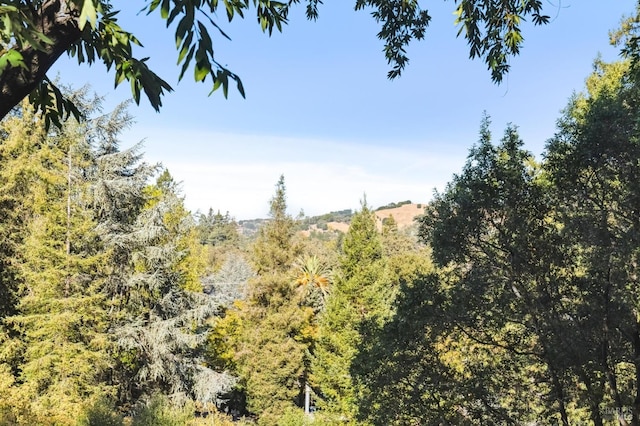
<point>60,320</point>
<point>220,237</point>
<point>182,228</point>
<point>274,250</point>
<point>524,290</point>
<point>217,229</point>
<point>110,307</point>
<point>230,283</point>
<point>273,342</point>
<point>357,298</point>
<point>160,313</point>
<point>403,374</point>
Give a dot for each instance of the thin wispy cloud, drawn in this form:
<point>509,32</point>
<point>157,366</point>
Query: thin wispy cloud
<point>238,172</point>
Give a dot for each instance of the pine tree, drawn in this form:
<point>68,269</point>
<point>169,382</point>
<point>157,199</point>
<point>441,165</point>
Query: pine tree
<point>274,249</point>
<point>217,229</point>
<point>220,237</point>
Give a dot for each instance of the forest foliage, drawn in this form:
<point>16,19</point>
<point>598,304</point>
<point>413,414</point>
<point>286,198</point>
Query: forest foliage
<point>516,301</point>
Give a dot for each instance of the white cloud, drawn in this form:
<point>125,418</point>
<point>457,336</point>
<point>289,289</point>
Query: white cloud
<point>238,173</point>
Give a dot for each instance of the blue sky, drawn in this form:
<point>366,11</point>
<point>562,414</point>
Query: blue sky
<point>320,110</point>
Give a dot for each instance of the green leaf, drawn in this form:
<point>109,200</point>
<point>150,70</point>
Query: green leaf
<point>185,47</point>
<point>154,4</point>
<point>205,39</point>
<point>187,61</point>
<point>164,10</point>
<point>225,86</point>
<point>240,87</point>
<point>7,9</point>
<point>11,58</point>
<point>43,38</point>
<point>88,14</point>
<point>216,85</point>
<point>183,26</point>
<point>230,10</point>
<point>200,72</point>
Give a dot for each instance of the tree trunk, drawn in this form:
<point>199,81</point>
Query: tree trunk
<point>636,402</point>
<point>307,398</point>
<point>58,20</point>
<point>557,386</point>
<point>67,287</point>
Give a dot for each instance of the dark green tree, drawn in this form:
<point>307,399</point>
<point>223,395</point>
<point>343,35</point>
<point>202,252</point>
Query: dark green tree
<point>593,163</point>
<point>496,227</point>
<point>397,367</point>
<point>404,377</point>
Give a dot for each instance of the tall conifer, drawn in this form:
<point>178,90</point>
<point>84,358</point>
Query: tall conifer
<point>272,347</point>
<point>355,299</point>
<point>60,319</point>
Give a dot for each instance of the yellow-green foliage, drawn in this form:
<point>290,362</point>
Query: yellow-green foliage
<point>223,338</point>
<point>192,264</point>
<point>271,354</point>
<point>218,419</point>
<point>60,318</point>
<point>14,406</point>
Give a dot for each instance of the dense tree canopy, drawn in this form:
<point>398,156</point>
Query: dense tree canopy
<point>103,272</point>
<point>543,259</point>
<point>513,300</point>
<point>34,34</point>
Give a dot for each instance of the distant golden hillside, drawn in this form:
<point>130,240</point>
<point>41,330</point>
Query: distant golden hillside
<point>403,216</point>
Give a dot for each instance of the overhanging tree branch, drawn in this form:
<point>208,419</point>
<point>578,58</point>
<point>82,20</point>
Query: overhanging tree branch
<point>57,21</point>
<point>35,33</point>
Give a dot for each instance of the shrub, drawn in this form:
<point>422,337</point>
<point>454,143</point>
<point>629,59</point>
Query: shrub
<point>101,413</point>
<point>160,411</point>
